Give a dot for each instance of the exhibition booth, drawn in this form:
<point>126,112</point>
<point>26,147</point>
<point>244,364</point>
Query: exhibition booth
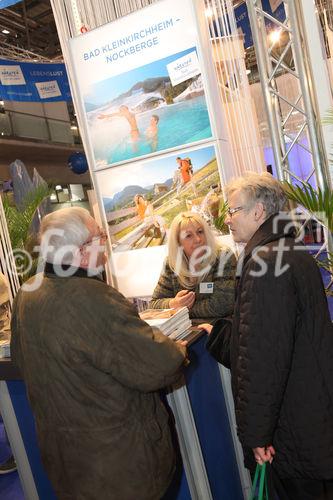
<point>145,103</point>
<point>148,102</point>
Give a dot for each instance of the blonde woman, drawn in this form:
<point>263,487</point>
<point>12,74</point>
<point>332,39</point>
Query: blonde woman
<point>198,273</point>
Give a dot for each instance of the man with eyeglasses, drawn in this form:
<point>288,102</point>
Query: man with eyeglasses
<point>280,347</point>
<point>92,370</point>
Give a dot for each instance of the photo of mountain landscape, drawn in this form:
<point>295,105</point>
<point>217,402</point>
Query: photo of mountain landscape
<point>141,112</point>
<point>139,211</point>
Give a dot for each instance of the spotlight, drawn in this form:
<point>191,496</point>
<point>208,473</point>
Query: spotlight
<point>274,36</point>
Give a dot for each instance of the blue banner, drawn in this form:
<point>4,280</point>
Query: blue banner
<point>8,3</point>
<point>36,82</point>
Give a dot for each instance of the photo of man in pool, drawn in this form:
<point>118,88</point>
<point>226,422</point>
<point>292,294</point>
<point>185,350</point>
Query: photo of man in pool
<point>130,117</point>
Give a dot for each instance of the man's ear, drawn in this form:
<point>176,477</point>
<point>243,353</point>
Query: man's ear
<point>259,211</point>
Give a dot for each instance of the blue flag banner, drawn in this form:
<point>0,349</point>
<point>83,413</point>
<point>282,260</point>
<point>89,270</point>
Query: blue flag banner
<point>36,82</point>
<point>8,3</point>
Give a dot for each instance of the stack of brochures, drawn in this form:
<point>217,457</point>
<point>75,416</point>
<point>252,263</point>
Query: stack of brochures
<point>174,323</point>
<point>4,348</point>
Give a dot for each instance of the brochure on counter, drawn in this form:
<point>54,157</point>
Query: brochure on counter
<point>174,323</point>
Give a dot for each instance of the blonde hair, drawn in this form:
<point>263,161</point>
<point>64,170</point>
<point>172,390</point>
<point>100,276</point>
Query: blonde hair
<point>260,187</point>
<point>178,261</point>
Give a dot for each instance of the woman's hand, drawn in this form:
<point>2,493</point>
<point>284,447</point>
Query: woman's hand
<point>206,326</point>
<point>184,298</point>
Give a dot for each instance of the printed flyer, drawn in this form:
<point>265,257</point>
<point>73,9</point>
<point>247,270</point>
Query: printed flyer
<point>141,199</point>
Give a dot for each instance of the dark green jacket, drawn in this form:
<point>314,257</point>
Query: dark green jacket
<point>206,306</point>
<point>92,369</point>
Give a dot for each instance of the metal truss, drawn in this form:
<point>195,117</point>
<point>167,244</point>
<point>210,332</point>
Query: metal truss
<point>11,52</point>
<point>292,59</point>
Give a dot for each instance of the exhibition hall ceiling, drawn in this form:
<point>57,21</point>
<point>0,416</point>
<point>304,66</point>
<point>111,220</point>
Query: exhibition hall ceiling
<point>30,25</point>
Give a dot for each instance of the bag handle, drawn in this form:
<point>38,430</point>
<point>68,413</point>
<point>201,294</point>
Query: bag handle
<point>261,475</point>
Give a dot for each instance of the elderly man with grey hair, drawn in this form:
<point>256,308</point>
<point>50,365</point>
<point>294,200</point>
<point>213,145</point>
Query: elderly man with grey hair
<point>92,370</point>
<point>280,346</point>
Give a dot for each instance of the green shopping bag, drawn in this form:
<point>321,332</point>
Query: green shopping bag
<point>260,476</point>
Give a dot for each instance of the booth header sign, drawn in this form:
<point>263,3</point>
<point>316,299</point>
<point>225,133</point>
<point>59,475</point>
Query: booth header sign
<point>140,83</point>
<point>133,41</point>
<point>33,82</point>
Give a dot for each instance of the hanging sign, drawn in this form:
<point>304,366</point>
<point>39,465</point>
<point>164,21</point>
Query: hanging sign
<point>140,84</point>
<point>21,81</point>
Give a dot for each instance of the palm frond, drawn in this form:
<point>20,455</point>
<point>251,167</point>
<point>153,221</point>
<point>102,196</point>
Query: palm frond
<point>317,201</point>
<point>19,222</point>
<point>326,263</point>
<point>219,221</point>
<point>328,118</point>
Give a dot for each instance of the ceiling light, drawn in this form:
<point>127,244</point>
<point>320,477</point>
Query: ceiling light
<point>5,32</point>
<point>2,103</point>
<point>274,36</point>
<point>73,127</point>
<point>248,71</point>
<point>58,187</point>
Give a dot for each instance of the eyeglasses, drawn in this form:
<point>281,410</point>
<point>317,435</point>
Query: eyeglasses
<point>232,211</point>
<point>102,235</point>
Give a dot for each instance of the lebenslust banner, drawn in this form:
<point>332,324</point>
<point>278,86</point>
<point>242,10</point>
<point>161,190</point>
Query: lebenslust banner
<point>36,82</point>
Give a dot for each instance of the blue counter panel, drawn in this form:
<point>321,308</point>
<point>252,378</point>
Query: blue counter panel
<point>211,418</point>
<point>26,423</point>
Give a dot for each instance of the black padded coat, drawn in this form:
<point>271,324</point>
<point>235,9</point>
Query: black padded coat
<point>281,355</point>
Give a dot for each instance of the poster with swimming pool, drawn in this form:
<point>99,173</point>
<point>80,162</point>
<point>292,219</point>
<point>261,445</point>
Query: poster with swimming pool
<point>141,199</point>
<point>140,84</point>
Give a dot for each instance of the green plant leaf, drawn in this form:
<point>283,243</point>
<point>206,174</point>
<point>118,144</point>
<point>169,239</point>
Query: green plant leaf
<point>219,221</point>
<point>318,202</point>
<point>19,222</point>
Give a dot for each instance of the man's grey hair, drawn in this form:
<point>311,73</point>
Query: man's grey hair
<point>63,232</point>
<point>260,188</point>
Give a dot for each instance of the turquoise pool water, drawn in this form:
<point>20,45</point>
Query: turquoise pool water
<point>179,124</point>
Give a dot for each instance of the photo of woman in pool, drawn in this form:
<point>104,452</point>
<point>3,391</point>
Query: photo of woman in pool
<point>141,112</point>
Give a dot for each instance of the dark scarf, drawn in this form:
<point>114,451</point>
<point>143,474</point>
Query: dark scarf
<point>56,270</point>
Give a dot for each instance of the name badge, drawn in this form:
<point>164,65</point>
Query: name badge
<point>206,288</point>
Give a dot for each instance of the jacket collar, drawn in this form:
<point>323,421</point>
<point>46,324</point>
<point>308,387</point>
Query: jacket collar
<point>274,228</point>
<point>57,271</point>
